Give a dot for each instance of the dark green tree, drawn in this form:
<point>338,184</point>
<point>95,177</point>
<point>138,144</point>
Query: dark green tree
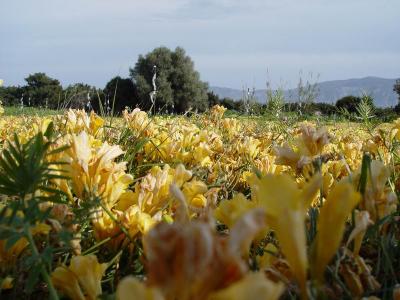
<point>396,88</point>
<point>78,95</point>
<point>43,90</point>
<point>213,99</point>
<point>122,92</point>
<point>350,103</point>
<point>11,95</point>
<point>178,84</point>
<point>230,104</point>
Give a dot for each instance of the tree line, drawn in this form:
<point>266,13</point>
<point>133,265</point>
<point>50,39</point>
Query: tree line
<point>168,75</point>
<point>164,81</point>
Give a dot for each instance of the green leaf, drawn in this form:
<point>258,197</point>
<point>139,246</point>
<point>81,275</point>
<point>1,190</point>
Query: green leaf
<point>33,277</point>
<point>365,167</point>
<point>12,240</point>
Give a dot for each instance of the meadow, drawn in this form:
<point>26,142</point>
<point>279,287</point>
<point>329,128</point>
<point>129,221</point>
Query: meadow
<point>197,206</point>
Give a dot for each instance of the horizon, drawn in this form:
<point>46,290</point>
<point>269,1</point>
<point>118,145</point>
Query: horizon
<point>245,44</point>
<point>4,83</point>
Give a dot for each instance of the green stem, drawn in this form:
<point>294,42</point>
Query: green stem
<point>121,226</point>
<point>43,271</point>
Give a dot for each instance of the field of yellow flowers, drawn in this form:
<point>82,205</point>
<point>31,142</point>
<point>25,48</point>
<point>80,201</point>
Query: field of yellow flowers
<point>197,207</point>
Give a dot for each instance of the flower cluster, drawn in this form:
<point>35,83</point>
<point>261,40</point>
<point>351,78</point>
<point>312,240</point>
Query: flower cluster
<point>208,207</point>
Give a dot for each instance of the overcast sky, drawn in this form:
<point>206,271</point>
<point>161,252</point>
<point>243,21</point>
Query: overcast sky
<point>233,43</point>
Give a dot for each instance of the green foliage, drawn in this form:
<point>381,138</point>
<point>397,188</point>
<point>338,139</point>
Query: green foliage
<point>357,108</point>
<point>213,99</point>
<point>307,92</point>
<point>122,93</point>
<point>365,109</point>
<point>349,103</point>
<point>24,169</point>
<point>25,178</point>
<point>11,95</point>
<point>396,88</point>
<point>43,90</point>
<point>275,101</point>
<point>76,95</point>
<point>319,108</point>
<point>30,111</point>
<point>229,103</point>
<point>178,84</point>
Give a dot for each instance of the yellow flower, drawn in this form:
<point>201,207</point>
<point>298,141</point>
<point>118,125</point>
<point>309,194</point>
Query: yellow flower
<point>331,224</point>
<point>202,154</point>
<point>67,282</point>
<point>96,123</point>
<point>181,175</point>
<point>229,211</point>
<point>286,206</point>
<point>378,199</point>
<point>6,283</point>
<point>198,201</point>
<point>231,126</point>
<point>362,221</point>
<point>93,171</point>
<point>217,111</point>
<point>78,121</point>
<point>249,147</point>
<point>286,156</point>
<point>188,260</point>
<point>312,140</point>
<point>194,193</point>
<point>139,122</point>
<point>137,221</point>
<point>89,273</point>
<point>130,288</point>
<point>395,132</point>
<point>252,286</point>
<point>82,277</point>
<point>152,192</point>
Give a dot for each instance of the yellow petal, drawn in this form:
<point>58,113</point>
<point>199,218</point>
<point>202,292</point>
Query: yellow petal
<point>198,201</point>
<point>130,288</point>
<point>66,281</point>
<point>7,283</point>
<point>252,286</point>
<point>229,211</point>
<point>284,206</point>
<point>89,273</point>
<point>310,189</point>
<point>331,224</point>
<point>362,221</point>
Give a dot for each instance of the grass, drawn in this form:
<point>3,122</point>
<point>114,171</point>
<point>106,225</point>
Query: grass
<point>30,111</point>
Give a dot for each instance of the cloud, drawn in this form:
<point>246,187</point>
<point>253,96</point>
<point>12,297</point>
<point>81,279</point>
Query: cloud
<point>229,40</point>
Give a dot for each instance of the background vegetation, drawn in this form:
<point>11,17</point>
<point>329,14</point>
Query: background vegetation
<point>178,89</point>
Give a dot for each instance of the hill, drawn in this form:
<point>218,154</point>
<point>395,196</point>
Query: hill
<point>381,90</point>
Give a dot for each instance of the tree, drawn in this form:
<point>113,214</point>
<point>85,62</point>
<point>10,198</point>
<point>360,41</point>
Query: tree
<point>123,92</point>
<point>43,90</point>
<point>78,95</point>
<point>11,95</point>
<point>350,103</point>
<point>213,99</point>
<point>230,104</point>
<point>178,84</point>
<point>396,88</point>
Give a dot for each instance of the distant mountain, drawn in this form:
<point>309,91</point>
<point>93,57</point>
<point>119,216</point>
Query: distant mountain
<point>381,90</point>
